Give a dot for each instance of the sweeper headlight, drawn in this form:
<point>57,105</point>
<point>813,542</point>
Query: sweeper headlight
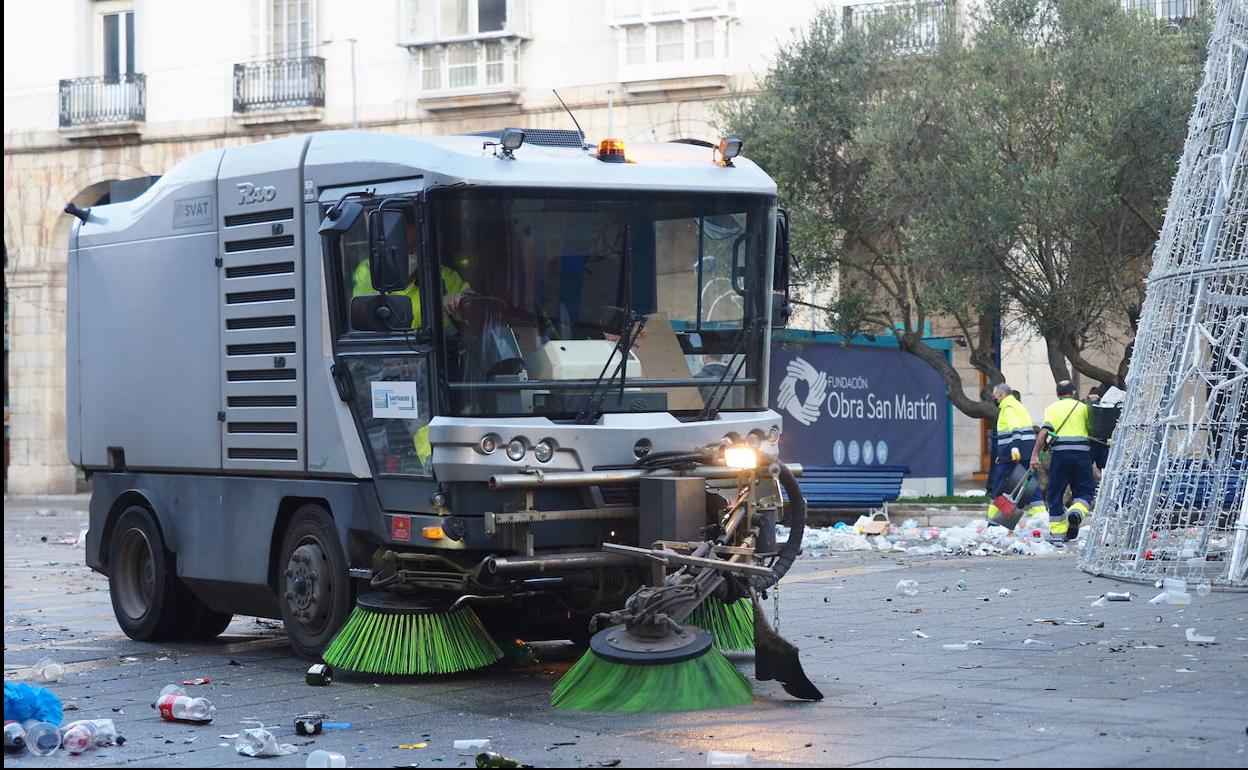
<point>729,148</point>
<point>516,449</point>
<point>742,458</point>
<point>773,435</point>
<point>544,450</point>
<point>488,444</point>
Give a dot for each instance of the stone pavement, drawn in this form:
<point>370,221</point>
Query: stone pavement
<point>1130,692</point>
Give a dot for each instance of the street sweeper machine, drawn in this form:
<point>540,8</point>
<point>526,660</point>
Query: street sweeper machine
<point>419,397</point>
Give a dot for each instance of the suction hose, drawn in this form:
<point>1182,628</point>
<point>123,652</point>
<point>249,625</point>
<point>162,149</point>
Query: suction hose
<point>797,527</point>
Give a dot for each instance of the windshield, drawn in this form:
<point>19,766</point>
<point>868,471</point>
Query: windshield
<point>544,284</point>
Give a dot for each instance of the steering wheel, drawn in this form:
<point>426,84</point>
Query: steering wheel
<point>475,311</point>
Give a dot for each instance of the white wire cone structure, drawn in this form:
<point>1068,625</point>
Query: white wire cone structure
<point>1174,497</point>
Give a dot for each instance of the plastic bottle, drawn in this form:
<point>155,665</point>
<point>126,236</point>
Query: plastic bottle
<point>14,738</point>
<point>105,731</point>
<point>42,738</point>
<point>322,758</point>
<point>48,670</point>
<point>78,737</point>
<point>726,759</point>
<point>908,587</point>
<point>183,708</point>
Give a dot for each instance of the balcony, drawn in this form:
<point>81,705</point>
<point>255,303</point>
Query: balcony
<point>108,105</point>
<point>916,27</point>
<point>279,90</point>
<point>1176,12</point>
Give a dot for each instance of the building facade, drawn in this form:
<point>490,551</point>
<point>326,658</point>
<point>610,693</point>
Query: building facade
<point>98,92</point>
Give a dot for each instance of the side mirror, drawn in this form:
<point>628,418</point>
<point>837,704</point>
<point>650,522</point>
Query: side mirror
<point>387,248</point>
<point>381,313</point>
<point>780,309</point>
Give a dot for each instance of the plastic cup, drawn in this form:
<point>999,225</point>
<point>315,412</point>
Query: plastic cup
<point>322,758</point>
<point>43,739</point>
<point>726,759</point>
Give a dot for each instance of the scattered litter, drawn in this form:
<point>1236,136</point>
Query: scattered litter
<point>1184,671</point>
<point>1173,592</point>
<point>1118,597</point>
<point>1005,592</point>
<point>726,759</point>
<point>259,742</point>
<point>1037,641</point>
<point>472,744</point>
<point>1196,638</point>
<point>228,737</point>
<point>322,758</point>
<point>319,675</point>
<point>960,585</point>
<point>1203,588</point>
<point>43,739</point>
<point>1101,602</point>
<point>920,634</point>
<point>412,746</point>
<point>1061,621</point>
<point>494,759</point>
<point>198,680</point>
<point>309,724</point>
<point>14,738</point>
<point>129,659</point>
<point>27,701</point>
<point>48,670</point>
<point>336,725</point>
<point>955,647</point>
<point>908,587</point>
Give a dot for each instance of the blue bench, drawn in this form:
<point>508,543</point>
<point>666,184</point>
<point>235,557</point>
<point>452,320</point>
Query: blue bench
<point>851,487</point>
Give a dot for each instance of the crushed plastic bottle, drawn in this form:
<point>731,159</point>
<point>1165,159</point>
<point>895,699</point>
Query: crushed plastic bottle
<point>472,744</point>
<point>1004,592</point>
<point>42,738</point>
<point>908,587</point>
<point>49,670</point>
<point>174,705</point>
<point>14,737</point>
<point>105,731</point>
<point>78,737</point>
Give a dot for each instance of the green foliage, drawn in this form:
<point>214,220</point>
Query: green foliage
<point>1019,165</point>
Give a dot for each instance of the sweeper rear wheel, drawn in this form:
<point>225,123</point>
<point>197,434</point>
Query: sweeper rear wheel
<point>313,584</point>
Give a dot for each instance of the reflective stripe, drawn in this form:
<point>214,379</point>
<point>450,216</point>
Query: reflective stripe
<point>1072,448</point>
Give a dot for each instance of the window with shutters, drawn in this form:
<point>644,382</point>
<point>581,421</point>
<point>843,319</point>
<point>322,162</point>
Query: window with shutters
<point>464,46</point>
<point>670,39</point>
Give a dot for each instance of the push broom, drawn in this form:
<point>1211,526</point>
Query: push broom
<point>391,634</point>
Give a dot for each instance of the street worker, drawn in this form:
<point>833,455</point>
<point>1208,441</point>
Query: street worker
<point>1015,440</point>
<point>1065,434</point>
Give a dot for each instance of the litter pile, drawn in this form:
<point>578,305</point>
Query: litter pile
<point>974,538</point>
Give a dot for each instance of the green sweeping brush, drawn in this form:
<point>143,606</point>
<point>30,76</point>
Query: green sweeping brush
<point>731,625</point>
<point>393,634</point>
<point>690,677</point>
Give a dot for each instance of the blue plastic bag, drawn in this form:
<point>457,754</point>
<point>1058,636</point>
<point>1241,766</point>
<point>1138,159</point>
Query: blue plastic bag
<point>24,701</point>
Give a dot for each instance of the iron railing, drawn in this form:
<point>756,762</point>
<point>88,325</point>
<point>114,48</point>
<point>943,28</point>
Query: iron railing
<point>103,100</point>
<point>279,84</point>
<point>919,26</point>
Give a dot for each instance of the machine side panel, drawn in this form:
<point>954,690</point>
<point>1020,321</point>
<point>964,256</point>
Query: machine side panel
<point>73,418</point>
<point>261,299</point>
<point>148,367</point>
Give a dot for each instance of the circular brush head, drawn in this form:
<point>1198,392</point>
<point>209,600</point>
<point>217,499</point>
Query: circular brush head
<point>731,625</point>
<point>623,672</point>
<point>394,634</point>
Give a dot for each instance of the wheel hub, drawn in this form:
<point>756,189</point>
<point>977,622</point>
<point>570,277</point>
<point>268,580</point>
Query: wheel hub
<point>135,573</point>
<point>305,593</point>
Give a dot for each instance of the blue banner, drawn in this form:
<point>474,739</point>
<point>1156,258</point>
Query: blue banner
<point>860,406</point>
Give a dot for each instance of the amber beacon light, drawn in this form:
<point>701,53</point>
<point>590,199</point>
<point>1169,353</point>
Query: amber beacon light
<point>611,151</point>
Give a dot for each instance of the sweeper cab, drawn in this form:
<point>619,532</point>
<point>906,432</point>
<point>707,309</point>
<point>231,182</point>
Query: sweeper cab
<point>509,378</point>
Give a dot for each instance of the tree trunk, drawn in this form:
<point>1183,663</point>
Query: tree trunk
<point>913,344</point>
<point>1057,361</point>
<point>1102,375</point>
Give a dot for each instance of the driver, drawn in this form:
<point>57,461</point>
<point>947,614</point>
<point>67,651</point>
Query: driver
<point>453,284</point>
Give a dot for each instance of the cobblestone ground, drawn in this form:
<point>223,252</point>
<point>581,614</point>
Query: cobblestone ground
<point>1126,688</point>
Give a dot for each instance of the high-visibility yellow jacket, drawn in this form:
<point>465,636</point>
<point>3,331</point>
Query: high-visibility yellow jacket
<point>452,283</point>
<point>1014,426</point>
<point>1067,421</point>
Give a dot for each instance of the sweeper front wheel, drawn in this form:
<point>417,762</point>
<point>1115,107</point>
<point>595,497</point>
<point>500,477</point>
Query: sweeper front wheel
<point>312,581</point>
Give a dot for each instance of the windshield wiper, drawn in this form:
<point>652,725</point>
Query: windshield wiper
<point>632,328</point>
<point>715,399</point>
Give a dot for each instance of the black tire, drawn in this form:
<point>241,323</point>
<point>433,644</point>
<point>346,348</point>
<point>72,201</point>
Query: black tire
<point>142,578</point>
<point>198,622</point>
<point>313,585</point>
